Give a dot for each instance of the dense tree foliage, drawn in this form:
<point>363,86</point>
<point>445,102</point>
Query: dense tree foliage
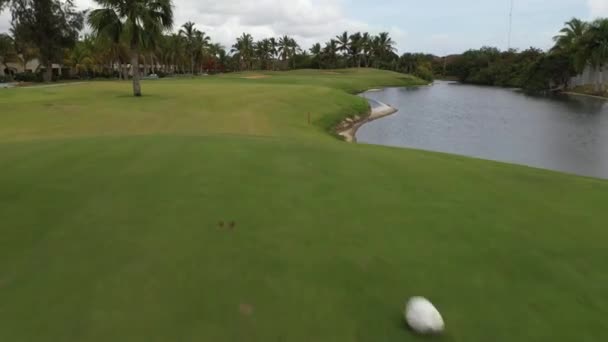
<point>50,25</point>
<point>579,45</point>
<point>8,52</point>
<point>490,66</point>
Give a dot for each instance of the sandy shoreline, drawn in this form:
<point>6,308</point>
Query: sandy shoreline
<point>348,128</point>
<point>572,93</point>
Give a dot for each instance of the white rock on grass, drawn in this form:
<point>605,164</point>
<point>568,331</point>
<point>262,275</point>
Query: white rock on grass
<point>423,317</point>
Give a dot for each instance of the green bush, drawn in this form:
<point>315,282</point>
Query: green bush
<point>424,73</point>
<point>29,77</point>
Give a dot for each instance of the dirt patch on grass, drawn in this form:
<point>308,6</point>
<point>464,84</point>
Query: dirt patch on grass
<point>246,309</point>
<point>255,77</point>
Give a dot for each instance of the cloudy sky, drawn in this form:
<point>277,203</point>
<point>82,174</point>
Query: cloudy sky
<point>436,26</point>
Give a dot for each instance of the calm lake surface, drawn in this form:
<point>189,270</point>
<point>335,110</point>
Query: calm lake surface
<point>568,133</point>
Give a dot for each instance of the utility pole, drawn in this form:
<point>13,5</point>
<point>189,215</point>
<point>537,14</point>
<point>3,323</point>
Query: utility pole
<point>510,25</point>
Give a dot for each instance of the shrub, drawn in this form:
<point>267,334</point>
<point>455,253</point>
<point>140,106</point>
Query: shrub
<point>29,77</point>
<point>424,73</point>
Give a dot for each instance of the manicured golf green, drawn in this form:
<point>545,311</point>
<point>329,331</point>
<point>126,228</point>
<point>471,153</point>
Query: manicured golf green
<point>110,208</point>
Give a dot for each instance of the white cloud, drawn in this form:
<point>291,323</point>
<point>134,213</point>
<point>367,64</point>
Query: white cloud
<point>598,8</point>
<point>308,21</point>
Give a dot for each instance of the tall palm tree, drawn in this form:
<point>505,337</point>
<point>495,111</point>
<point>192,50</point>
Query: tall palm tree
<point>244,49</point>
<point>355,47</point>
<point>143,21</point>
<point>284,48</point>
<point>201,45</point>
<point>218,53</point>
<point>383,46</point>
<point>569,36</point>
<point>366,48</point>
<point>570,40</point>
<point>595,47</point>
<point>330,52</point>
<point>274,50</point>
<point>343,42</point>
<point>83,57</point>
<point>386,43</point>
<point>173,52</point>
<point>263,50</point>
<point>189,33</point>
<point>294,49</point>
<point>315,51</point>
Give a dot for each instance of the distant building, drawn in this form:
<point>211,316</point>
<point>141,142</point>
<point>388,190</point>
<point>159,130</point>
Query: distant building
<point>31,66</point>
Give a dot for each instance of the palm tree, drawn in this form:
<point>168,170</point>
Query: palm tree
<point>143,21</point>
<point>244,50</point>
<point>315,50</point>
<point>386,43</point>
<point>178,54</point>
<point>570,35</point>
<point>343,42</point>
<point>355,47</point>
<point>218,53</point>
<point>263,50</point>
<point>288,49</point>
<point>189,33</point>
<point>284,48</point>
<point>82,56</point>
<point>294,49</point>
<point>330,52</point>
<point>366,49</point>
<point>383,46</point>
<point>595,46</point>
<point>274,50</point>
<point>201,44</point>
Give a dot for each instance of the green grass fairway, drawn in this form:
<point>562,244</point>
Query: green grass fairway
<point>109,211</point>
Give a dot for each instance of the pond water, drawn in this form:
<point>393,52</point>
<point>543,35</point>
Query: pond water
<point>563,133</point>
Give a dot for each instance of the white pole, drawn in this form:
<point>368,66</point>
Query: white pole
<point>510,25</point>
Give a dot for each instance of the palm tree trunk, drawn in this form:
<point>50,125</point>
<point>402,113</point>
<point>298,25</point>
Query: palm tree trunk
<point>145,65</point>
<point>48,73</point>
<point>601,79</point>
<point>135,70</point>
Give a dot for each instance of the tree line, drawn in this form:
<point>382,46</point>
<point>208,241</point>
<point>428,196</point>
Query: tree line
<point>578,46</point>
<point>127,33</point>
<point>131,38</point>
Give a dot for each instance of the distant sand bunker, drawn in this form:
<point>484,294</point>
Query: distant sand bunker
<point>255,77</point>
